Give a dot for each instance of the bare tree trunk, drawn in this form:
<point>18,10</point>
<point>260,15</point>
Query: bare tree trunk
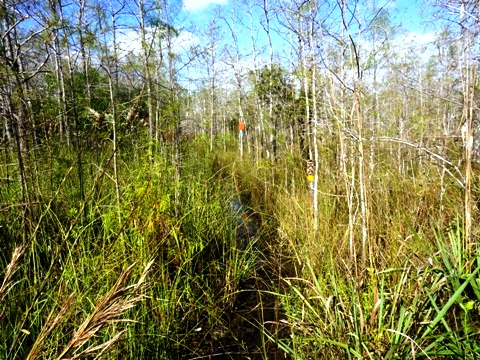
<point>62,94</point>
<point>213,115</point>
<point>266,27</point>
<point>146,68</point>
<point>76,135</point>
<point>64,122</point>
<point>112,70</point>
<point>346,156</point>
<point>81,26</point>
<point>468,83</point>
<point>349,180</point>
<point>361,177</point>
<point>235,60</point>
<point>14,110</point>
<point>306,81</point>
<point>358,111</point>
<point>258,132</point>
<point>313,66</point>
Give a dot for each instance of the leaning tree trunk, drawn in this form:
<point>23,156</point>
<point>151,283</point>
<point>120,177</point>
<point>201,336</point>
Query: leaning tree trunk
<point>14,110</point>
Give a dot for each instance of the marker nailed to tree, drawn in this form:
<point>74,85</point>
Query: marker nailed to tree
<point>310,174</point>
<point>241,129</point>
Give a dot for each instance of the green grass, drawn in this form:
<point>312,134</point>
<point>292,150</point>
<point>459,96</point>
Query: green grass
<point>415,298</point>
<point>70,294</point>
<point>82,282</point>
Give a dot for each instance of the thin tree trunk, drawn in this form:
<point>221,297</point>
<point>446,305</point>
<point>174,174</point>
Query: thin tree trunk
<point>361,177</point>
<point>146,68</point>
<point>266,27</point>
<point>62,96</point>
<point>113,83</point>
<point>14,110</point>
<point>258,132</point>
<point>468,105</point>
<point>82,24</point>
<point>315,121</point>
<point>65,123</point>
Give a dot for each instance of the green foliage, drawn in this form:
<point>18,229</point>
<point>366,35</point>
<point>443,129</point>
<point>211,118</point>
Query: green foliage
<point>185,226</point>
<point>418,296</point>
<point>400,306</point>
<point>89,195</point>
<point>274,87</point>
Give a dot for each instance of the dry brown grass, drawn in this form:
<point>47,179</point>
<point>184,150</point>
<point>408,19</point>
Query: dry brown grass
<point>48,327</point>
<point>7,283</point>
<point>109,309</point>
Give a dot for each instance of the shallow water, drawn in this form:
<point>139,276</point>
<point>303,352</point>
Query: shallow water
<point>246,224</point>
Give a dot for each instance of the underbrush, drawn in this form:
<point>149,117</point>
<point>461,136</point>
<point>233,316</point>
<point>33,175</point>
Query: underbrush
<point>160,273</point>
<point>417,296</point>
<point>157,274</point>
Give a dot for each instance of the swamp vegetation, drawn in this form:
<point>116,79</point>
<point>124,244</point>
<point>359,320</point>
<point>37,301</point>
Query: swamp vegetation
<point>135,222</point>
<point>156,276</point>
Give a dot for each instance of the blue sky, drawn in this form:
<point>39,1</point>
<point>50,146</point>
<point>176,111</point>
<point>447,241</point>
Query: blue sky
<point>414,15</point>
<point>411,15</point>
<point>414,38</point>
<point>199,5</point>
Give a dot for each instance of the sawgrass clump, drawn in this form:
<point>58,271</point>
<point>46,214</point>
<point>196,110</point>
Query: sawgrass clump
<point>414,295</point>
<point>71,290</point>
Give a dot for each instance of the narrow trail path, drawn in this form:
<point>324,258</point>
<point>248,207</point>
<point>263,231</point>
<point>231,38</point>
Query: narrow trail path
<point>256,310</point>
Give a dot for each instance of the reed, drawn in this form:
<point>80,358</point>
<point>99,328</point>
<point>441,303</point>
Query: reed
<point>69,292</point>
<point>416,296</point>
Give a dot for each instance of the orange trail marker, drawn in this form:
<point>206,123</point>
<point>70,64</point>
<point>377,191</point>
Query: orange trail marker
<point>241,129</point>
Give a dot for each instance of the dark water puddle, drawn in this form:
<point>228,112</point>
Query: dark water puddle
<point>255,309</point>
<point>239,333</point>
<point>246,223</point>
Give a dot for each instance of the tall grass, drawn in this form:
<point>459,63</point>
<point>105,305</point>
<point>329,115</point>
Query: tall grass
<point>65,292</point>
<point>416,298</point>
<point>70,289</point>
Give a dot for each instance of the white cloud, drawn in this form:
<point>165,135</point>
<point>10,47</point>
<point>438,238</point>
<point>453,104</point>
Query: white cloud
<point>414,43</point>
<point>129,41</point>
<point>409,43</point>
<point>417,38</point>
<point>194,5</point>
<point>406,47</point>
<point>185,40</point>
